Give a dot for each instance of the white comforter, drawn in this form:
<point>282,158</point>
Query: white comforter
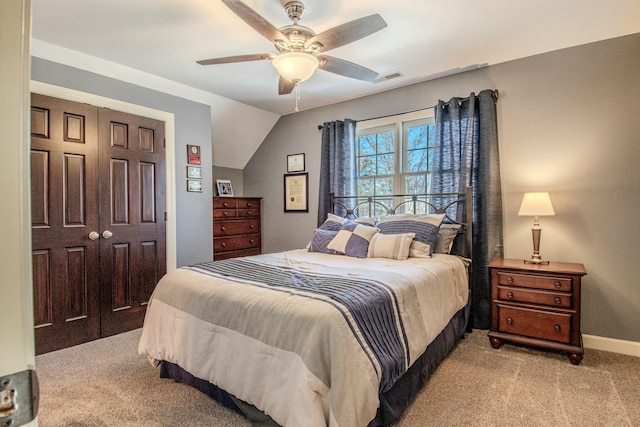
<point>294,357</point>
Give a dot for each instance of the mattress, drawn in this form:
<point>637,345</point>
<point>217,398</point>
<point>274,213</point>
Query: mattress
<point>310,339</point>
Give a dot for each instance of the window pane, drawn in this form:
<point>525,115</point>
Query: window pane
<point>384,186</point>
<point>418,161</point>
<point>386,164</point>
<point>417,137</point>
<point>367,166</point>
<point>386,142</point>
<point>367,145</point>
<point>415,184</point>
<point>366,187</point>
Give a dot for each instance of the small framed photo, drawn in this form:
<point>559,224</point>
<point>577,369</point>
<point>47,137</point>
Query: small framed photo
<point>224,188</point>
<point>194,185</point>
<point>193,154</point>
<point>194,172</point>
<point>295,163</point>
<point>296,192</point>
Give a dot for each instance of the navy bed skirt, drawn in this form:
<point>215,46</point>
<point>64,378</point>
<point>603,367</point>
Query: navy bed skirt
<point>393,402</point>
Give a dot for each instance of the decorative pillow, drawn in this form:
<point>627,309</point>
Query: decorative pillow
<point>353,239</point>
<point>424,226</point>
<point>394,246</point>
<point>320,240</point>
<point>335,222</point>
<point>446,235</point>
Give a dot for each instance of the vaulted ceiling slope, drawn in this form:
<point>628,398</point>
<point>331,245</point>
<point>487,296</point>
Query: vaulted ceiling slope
<point>157,42</point>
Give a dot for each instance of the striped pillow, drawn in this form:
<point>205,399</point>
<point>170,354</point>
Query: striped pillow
<point>394,246</point>
<point>424,226</point>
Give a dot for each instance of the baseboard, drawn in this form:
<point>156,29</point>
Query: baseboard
<point>594,342</point>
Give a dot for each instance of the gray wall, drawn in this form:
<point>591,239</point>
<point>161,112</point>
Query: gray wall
<point>192,126</point>
<point>233,175</point>
<point>568,124</point>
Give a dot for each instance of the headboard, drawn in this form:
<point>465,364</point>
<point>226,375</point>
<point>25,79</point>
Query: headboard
<point>457,207</point>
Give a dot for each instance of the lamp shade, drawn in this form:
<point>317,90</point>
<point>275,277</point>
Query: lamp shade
<point>295,66</point>
<point>536,204</point>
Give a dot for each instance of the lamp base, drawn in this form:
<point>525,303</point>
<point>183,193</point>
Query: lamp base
<point>535,261</point>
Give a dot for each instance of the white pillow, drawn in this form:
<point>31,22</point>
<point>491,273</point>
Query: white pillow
<point>394,246</point>
<point>446,235</point>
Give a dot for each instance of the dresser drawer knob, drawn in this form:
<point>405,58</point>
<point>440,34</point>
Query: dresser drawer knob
<point>224,245</point>
<point>509,280</point>
<point>252,241</point>
<point>557,300</point>
<point>557,284</point>
<point>225,213</point>
<point>557,328</point>
<point>251,226</point>
<point>225,204</point>
<point>249,213</point>
<point>248,204</point>
<point>509,321</point>
<point>223,228</point>
<point>509,295</point>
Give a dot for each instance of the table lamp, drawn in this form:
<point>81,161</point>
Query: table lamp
<point>535,205</point>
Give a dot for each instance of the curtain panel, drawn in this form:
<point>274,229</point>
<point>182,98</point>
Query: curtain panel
<point>466,153</point>
<point>337,163</point>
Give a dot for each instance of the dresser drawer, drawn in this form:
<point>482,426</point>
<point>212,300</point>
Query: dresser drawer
<point>234,254</point>
<point>534,296</point>
<point>248,213</point>
<point>224,203</point>
<point>535,323</point>
<point>231,228</point>
<point>225,213</point>
<point>248,204</point>
<point>236,242</point>
<point>563,284</point>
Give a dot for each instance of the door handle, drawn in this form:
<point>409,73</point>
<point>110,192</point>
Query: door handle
<point>107,234</point>
<point>94,235</point>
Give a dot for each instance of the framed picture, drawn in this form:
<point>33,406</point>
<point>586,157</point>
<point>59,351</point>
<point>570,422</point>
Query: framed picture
<point>224,188</point>
<point>194,185</point>
<point>193,154</point>
<point>295,163</point>
<point>194,172</point>
<point>296,192</point>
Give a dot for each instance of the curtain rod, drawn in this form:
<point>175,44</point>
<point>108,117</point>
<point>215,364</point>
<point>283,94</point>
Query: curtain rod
<point>494,93</point>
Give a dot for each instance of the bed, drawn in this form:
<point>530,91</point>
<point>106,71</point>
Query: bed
<point>342,333</point>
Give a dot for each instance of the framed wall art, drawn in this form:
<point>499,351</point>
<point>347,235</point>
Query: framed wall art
<point>194,172</point>
<point>224,188</point>
<point>194,185</point>
<point>193,154</point>
<point>295,163</point>
<point>296,192</point>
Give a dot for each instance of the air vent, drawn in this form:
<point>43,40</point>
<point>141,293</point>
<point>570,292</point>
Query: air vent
<point>388,77</point>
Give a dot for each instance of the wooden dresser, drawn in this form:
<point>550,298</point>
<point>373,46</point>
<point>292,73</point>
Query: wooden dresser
<point>236,227</point>
<point>537,304</point>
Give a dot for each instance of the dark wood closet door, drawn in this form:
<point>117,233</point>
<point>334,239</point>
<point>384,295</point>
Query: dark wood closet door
<point>64,211</point>
<point>132,223</point>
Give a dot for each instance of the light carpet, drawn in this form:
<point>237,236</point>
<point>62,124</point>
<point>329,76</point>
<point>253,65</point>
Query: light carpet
<point>106,383</point>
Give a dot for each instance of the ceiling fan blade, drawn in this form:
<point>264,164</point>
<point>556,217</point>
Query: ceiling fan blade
<point>348,32</point>
<point>285,86</point>
<point>239,58</point>
<point>346,68</point>
<point>256,21</point>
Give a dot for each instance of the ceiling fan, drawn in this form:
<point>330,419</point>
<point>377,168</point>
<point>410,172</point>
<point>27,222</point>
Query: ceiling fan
<point>299,46</point>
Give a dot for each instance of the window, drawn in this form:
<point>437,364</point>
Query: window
<point>394,156</point>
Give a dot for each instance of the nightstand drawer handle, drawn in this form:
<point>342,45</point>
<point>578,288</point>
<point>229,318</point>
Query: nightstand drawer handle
<point>509,321</point>
<point>509,280</point>
<point>557,284</point>
<point>509,295</point>
<point>557,328</point>
<point>557,300</point>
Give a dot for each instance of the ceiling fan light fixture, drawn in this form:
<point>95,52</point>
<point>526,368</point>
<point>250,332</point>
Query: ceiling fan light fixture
<point>296,66</point>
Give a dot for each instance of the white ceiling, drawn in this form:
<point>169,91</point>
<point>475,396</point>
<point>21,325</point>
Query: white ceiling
<point>424,38</point>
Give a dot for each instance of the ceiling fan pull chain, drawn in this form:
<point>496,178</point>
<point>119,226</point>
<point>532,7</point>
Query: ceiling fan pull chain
<point>297,96</point>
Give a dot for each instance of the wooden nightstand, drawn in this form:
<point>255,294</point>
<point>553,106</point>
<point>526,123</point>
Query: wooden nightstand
<point>537,304</point>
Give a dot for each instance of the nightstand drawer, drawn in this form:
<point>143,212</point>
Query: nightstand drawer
<point>533,281</point>
<point>535,323</point>
<point>534,296</point>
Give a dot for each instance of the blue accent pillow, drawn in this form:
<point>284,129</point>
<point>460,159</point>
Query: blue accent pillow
<point>353,239</point>
<point>321,238</point>
<point>425,227</point>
